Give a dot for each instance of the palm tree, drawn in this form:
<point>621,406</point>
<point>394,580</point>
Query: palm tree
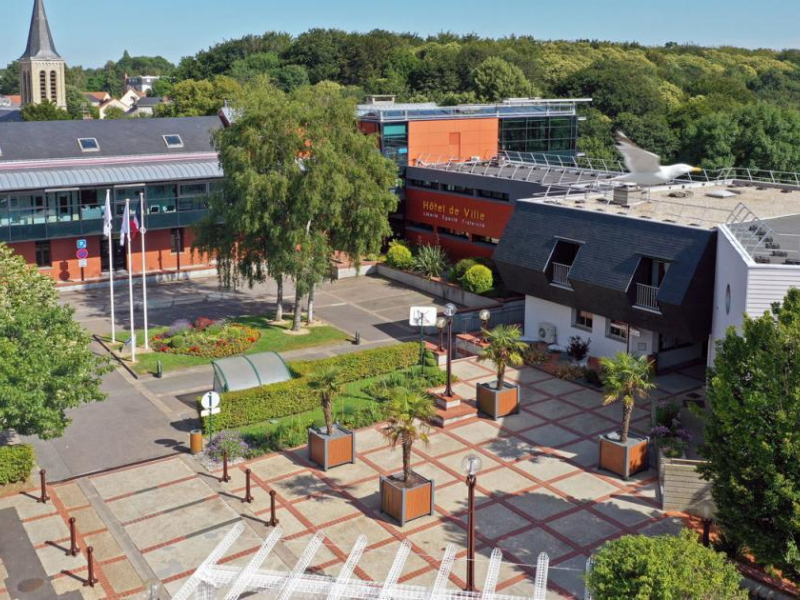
<point>505,349</point>
<point>409,419</point>
<point>626,378</point>
<point>326,384</point>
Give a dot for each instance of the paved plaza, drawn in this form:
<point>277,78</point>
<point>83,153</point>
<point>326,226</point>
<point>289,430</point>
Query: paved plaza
<point>539,490</point>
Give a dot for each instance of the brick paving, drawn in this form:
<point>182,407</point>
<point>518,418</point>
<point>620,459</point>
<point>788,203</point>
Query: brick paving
<point>539,490</point>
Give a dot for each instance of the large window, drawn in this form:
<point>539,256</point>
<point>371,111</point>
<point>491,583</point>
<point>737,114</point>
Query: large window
<point>43,259</point>
<point>395,143</point>
<point>162,198</point>
<point>546,135</point>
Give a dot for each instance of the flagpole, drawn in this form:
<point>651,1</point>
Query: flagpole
<point>143,230</point>
<point>130,281</point>
<point>110,220</point>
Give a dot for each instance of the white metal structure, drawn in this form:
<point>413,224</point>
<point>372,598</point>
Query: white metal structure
<point>212,580</point>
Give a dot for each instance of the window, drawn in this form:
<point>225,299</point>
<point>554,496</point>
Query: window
<point>485,240</point>
<point>446,231</point>
<point>176,237</point>
<point>53,86</point>
<point>43,255</point>
<point>173,141</point>
<point>89,144</point>
<point>431,185</point>
<point>617,330</point>
<point>458,189</point>
<point>547,135</point>
<point>43,85</point>
<point>583,320</point>
<point>493,195</point>
<point>418,225</point>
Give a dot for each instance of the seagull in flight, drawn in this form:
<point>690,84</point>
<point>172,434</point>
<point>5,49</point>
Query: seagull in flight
<point>645,167</point>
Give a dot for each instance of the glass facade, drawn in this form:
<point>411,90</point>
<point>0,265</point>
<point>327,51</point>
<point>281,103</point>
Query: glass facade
<point>394,143</point>
<point>42,215</point>
<point>545,135</point>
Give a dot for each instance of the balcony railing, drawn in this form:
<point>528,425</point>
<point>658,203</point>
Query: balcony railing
<point>646,296</point>
<point>561,274</point>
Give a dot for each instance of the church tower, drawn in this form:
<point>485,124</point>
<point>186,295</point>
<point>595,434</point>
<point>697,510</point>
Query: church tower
<point>41,67</point>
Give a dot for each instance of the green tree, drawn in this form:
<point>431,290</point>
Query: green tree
<point>78,106</point>
<point>162,87</point>
<point>409,417</point>
<point>505,350</point>
<point>495,79</point>
<point>327,385</point>
<point>320,51</point>
<point>301,182</point>
<point>752,440</point>
<point>291,77</point>
<point>199,98</point>
<point>638,567</point>
<point>46,111</point>
<point>114,113</point>
<point>9,81</point>
<point>262,63</point>
<point>46,366</point>
<point>626,378</point>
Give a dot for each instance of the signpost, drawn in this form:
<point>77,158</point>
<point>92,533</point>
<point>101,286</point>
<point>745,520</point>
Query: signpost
<point>210,403</point>
<point>82,245</point>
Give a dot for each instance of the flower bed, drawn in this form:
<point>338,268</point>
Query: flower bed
<point>206,338</point>
<point>669,432</point>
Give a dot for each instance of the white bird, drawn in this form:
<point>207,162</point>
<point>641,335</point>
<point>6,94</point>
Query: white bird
<point>645,167</point>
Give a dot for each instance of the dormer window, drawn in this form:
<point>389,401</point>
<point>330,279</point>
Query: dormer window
<point>88,145</point>
<point>173,141</point>
<point>561,261</point>
<point>647,282</point>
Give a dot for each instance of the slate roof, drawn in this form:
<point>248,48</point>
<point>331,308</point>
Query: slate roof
<point>40,39</point>
<point>53,140</point>
<point>611,248</point>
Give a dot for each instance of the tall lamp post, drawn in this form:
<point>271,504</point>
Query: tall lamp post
<point>441,323</point>
<point>484,316</point>
<point>471,465</point>
<point>449,312</point>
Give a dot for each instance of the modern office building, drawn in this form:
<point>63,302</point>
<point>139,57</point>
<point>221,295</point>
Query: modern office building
<point>54,177</point>
<point>453,211</point>
<point>662,275</point>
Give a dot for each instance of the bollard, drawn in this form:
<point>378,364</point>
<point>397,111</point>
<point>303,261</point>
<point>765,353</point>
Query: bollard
<point>225,477</point>
<point>159,369</point>
<point>91,579</point>
<point>358,338</point>
<point>248,496</point>
<point>73,546</point>
<point>273,521</point>
<point>43,477</point>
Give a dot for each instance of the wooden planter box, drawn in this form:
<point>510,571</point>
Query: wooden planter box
<point>624,459</point>
<point>403,503</point>
<point>330,451</point>
<point>497,403</point>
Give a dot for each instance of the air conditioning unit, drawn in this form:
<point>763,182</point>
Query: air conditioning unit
<point>547,333</point>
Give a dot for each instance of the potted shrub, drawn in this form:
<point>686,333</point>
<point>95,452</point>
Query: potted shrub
<point>504,348</point>
<point>578,349</point>
<point>334,445</point>
<point>406,496</point>
<point>628,379</point>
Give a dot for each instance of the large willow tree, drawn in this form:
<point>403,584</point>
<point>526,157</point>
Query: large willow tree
<point>301,184</point>
<point>46,366</point>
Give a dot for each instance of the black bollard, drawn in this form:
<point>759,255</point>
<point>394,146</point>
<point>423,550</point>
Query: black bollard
<point>44,497</point>
<point>73,545</point>
<point>273,521</point>
<point>248,496</point>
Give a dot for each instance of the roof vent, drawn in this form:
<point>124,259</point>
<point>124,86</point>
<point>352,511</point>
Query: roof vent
<point>721,194</point>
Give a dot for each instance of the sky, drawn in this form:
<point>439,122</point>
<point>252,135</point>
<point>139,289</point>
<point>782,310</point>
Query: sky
<point>90,32</point>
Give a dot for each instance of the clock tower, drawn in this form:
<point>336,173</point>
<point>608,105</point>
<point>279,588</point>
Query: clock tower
<point>42,69</point>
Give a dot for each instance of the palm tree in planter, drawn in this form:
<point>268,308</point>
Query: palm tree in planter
<point>628,379</point>
<point>407,495</point>
<point>335,445</point>
<point>505,349</point>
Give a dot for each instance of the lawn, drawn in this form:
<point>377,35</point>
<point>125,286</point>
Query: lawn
<point>274,338</point>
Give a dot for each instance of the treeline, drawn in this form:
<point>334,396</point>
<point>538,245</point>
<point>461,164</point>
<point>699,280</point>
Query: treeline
<point>710,106</point>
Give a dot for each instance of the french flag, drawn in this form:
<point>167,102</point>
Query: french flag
<point>130,225</point>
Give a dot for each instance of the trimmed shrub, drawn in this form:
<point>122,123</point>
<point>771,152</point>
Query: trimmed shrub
<point>461,267</point>
<point>638,567</point>
<point>478,279</point>
<point>295,396</point>
<point>399,256</point>
<point>16,463</point>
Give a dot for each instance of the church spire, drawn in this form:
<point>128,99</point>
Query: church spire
<point>40,40</point>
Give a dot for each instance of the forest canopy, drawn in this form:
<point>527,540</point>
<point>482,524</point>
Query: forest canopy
<point>715,107</point>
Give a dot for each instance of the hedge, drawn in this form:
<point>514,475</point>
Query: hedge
<point>278,400</point>
<point>478,279</point>
<point>16,463</point>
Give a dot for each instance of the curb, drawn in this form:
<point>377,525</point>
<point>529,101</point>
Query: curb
<point>115,356</point>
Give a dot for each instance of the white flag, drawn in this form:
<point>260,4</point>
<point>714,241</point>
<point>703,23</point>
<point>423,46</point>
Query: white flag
<point>126,225</point>
<point>108,218</point>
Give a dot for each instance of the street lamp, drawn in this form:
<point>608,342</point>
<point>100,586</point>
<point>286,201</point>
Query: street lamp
<point>449,312</point>
<point>705,510</point>
<point>484,316</point>
<point>441,323</point>
<point>471,465</point>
